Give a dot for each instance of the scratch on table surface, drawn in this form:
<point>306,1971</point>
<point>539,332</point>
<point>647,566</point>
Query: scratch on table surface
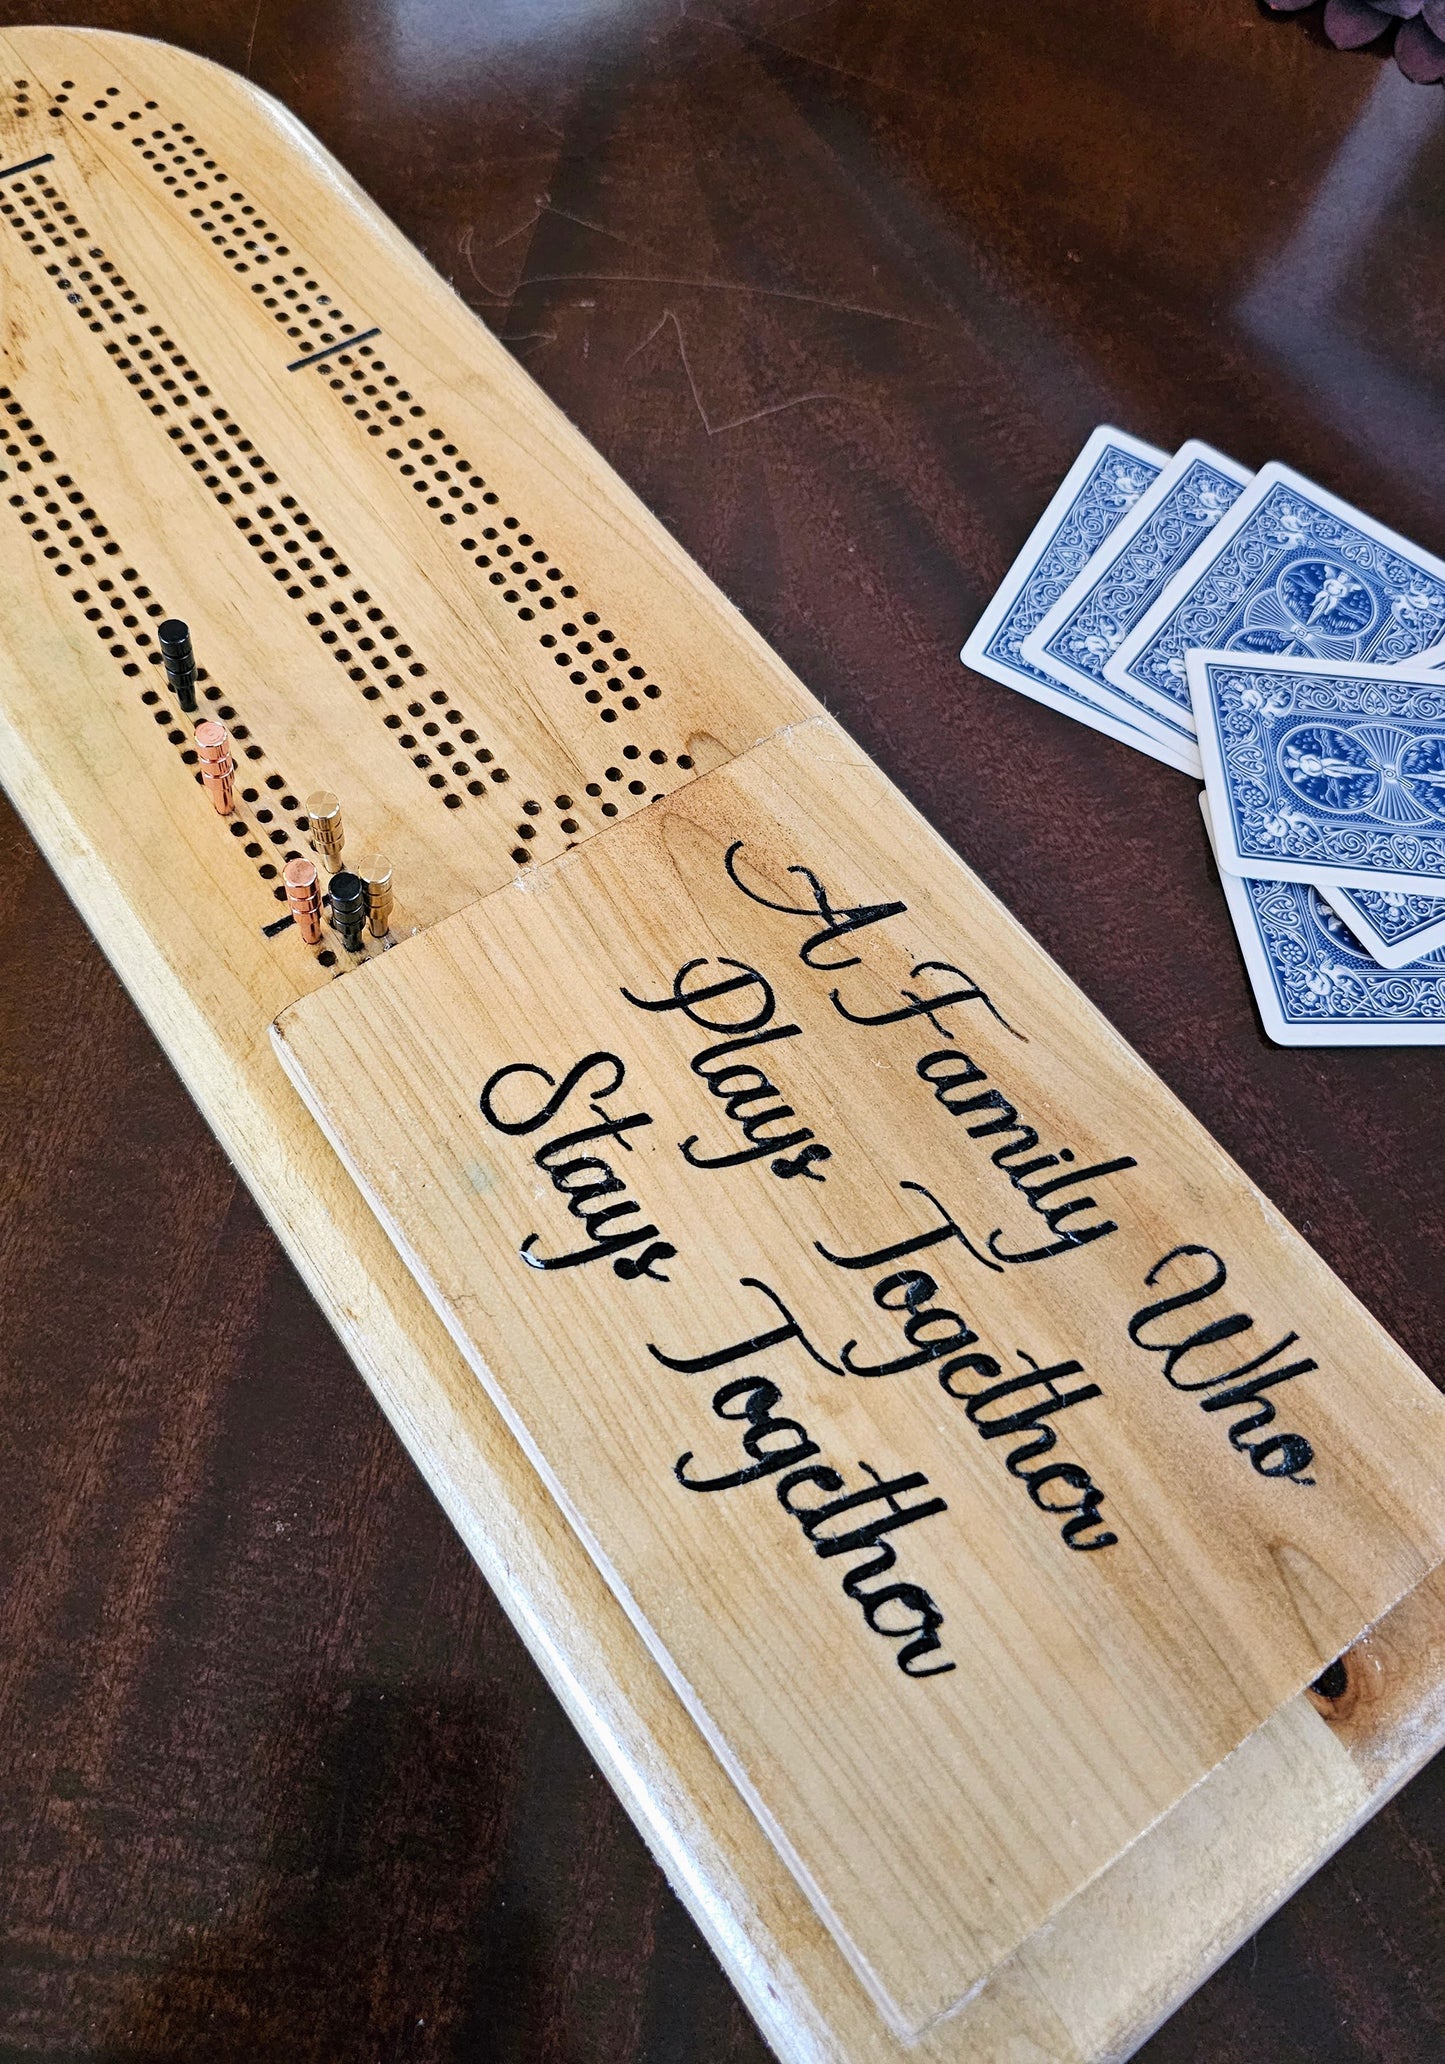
<point>747,34</point>
<point>251,39</point>
<point>597,228</point>
<point>657,279</point>
<point>464,245</point>
<point>546,205</point>
<point>773,408</point>
<point>526,337</point>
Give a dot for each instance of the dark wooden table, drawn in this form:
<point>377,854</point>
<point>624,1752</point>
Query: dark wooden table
<point>840,288</point>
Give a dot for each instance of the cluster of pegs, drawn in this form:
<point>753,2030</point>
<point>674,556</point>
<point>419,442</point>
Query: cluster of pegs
<point>360,898</point>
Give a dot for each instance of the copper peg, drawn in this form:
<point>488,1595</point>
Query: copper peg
<point>327,834</point>
<point>375,873</point>
<point>303,898</point>
<point>218,769</point>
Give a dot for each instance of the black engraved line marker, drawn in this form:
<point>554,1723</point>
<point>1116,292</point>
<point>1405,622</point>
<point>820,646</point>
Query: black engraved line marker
<point>313,357</point>
<point>269,931</point>
<point>45,158</point>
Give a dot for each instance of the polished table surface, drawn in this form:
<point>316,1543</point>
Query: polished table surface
<point>839,288</point>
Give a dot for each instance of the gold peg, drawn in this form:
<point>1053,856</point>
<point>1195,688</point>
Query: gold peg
<point>327,834</point>
<point>375,873</point>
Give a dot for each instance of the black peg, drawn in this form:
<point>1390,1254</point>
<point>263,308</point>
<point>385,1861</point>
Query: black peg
<point>175,640</point>
<point>348,908</point>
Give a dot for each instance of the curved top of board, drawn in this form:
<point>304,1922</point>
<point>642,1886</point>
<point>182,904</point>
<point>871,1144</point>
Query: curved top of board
<point>407,573</point>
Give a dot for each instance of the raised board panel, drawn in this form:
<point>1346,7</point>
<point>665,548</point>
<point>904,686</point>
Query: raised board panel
<point>178,904</point>
<point>752,1149</point>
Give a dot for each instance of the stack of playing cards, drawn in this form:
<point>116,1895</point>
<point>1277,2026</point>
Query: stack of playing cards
<point>1255,631</point>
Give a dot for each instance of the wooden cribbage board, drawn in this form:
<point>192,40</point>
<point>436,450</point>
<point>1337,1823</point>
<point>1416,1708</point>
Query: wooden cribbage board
<point>411,581</point>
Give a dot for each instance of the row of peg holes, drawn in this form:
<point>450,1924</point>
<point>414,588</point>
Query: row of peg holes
<point>123,596</point>
<point>289,291</point>
<point>280,524</point>
<point>158,406</point>
<point>525,830</point>
<point>221,224</point>
<point>387,411</point>
<point>459,481</point>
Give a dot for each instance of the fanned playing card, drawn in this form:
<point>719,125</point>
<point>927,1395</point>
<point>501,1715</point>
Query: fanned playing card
<point>1324,773</point>
<point>1314,983</point>
<point>1105,482</point>
<point>1101,606</point>
<point>1395,929</point>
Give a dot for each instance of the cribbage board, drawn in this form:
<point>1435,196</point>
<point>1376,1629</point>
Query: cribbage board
<point>233,393</point>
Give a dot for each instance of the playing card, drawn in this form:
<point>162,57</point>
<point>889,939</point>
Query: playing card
<point>1292,571</point>
<point>1314,984</point>
<point>1128,573</point>
<point>1394,929</point>
<point>1104,483</point>
<point>1324,773</point>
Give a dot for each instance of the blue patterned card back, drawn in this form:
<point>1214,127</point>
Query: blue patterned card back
<point>1291,572</point>
<point>1396,929</point>
<point>1316,986</point>
<point>1319,773</point>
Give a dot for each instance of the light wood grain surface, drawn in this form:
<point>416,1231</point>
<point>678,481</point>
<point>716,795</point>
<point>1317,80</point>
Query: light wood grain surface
<point>141,244</point>
<point>1105,1639</point>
